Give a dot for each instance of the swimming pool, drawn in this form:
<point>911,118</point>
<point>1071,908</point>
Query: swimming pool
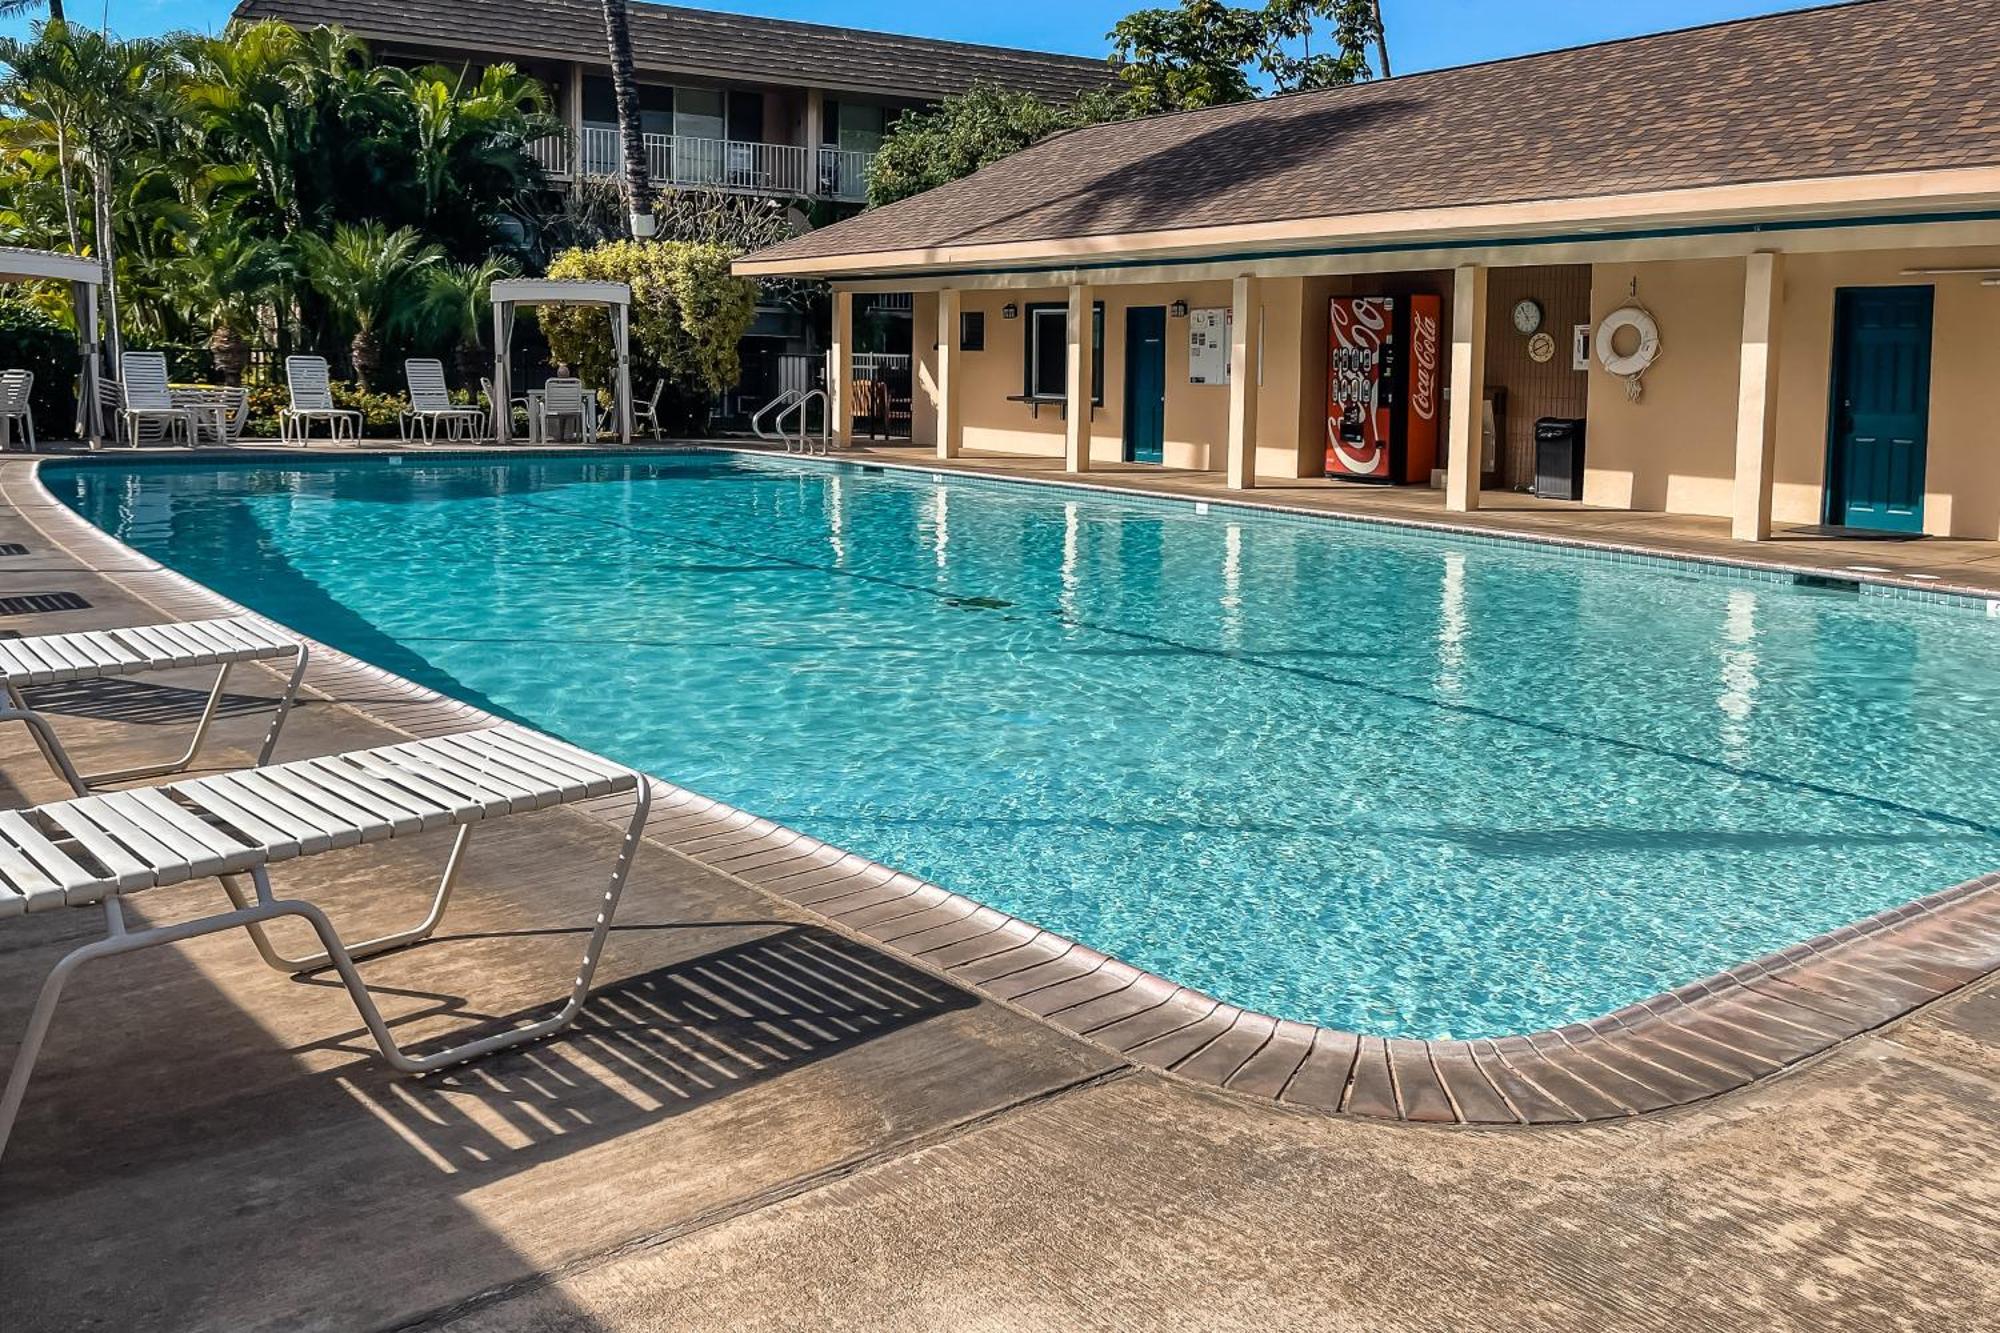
<point>1388,781</point>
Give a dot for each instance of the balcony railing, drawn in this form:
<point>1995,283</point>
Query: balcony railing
<point>726,164</point>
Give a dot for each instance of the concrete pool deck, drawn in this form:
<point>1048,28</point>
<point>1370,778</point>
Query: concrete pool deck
<point>700,1157</point>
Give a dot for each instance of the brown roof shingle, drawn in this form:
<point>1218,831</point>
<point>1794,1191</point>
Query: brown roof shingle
<point>698,41</point>
<point>1874,86</point>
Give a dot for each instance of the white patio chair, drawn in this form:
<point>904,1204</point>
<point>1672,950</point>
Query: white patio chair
<point>647,413</point>
<point>102,849</point>
<point>61,659</point>
<point>144,397</point>
<point>15,388</point>
<point>312,400</point>
<point>562,400</point>
<point>431,405</point>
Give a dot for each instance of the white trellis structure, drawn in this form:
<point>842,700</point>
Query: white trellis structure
<point>509,294</point>
<point>83,277</point>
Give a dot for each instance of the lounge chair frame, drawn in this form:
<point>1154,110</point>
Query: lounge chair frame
<point>431,405</point>
<point>144,395</point>
<point>310,385</point>
<point>17,388</point>
<point>119,653</point>
<point>203,829</point>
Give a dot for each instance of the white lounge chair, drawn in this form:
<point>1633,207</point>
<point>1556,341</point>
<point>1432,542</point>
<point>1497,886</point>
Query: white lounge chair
<point>144,396</point>
<point>431,405</point>
<point>563,400</point>
<point>647,414</point>
<point>312,400</point>
<point>58,659</point>
<point>102,849</point>
<point>15,388</point>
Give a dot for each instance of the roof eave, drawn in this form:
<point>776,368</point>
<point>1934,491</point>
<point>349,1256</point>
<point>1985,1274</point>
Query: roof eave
<point>1740,203</point>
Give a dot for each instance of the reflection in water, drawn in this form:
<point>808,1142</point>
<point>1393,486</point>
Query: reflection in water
<point>937,518</point>
<point>1452,626</point>
<point>1739,674</point>
<point>1232,586</point>
<point>1066,601</point>
<point>836,522</point>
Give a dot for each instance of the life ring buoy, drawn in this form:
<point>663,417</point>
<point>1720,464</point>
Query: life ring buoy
<point>1640,359</point>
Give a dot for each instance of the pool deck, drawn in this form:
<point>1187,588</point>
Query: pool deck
<point>226,1154</point>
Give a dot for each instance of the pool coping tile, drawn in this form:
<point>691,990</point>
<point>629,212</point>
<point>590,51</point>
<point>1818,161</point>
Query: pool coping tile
<point>1682,1047</point>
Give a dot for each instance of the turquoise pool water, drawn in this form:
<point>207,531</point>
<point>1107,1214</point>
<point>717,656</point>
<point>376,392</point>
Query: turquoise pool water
<point>1387,781</point>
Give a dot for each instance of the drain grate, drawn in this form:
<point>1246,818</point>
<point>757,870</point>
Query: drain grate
<point>12,548</point>
<point>37,603</point>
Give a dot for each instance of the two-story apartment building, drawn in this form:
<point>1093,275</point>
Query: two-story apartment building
<point>765,106</point>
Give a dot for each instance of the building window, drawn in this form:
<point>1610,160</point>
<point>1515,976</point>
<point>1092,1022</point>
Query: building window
<point>972,331</point>
<point>1045,353</point>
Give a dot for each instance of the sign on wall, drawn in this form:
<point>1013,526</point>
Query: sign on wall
<point>1208,346</point>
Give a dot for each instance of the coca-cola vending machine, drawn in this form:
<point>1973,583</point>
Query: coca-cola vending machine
<point>1382,396</point>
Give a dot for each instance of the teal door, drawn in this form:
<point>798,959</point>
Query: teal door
<point>1881,408</point>
<point>1145,382</point>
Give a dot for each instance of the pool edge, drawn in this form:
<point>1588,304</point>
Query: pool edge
<point>1728,1031</point>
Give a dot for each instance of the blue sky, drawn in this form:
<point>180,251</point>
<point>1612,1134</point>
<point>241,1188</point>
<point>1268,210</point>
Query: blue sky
<point>1423,34</point>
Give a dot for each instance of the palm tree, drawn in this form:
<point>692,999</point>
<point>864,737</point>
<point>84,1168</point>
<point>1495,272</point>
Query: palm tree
<point>226,277</point>
<point>625,87</point>
<point>461,303</point>
<point>374,280</point>
<point>15,8</point>
<point>106,95</point>
<point>468,142</point>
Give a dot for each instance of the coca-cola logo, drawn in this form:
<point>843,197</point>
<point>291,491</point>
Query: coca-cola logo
<point>1424,333</point>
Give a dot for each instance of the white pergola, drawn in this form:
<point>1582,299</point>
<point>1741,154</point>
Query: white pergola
<point>83,277</point>
<point>511,293</point>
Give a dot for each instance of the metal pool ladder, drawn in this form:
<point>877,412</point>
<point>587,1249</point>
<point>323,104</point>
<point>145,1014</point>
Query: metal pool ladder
<point>788,404</point>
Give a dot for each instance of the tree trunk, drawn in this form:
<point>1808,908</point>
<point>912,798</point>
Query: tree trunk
<point>230,354</point>
<point>68,189</point>
<point>1382,41</point>
<point>625,87</point>
<point>55,11</point>
<point>103,226</point>
<point>366,354</point>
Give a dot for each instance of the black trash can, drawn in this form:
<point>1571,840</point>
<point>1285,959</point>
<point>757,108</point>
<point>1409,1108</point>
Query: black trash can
<point>1559,458</point>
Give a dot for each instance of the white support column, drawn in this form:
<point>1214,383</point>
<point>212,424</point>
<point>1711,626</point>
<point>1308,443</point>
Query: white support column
<point>950,423</point>
<point>1076,425</point>
<point>1243,362</point>
<point>840,369</point>
<point>1468,388</point>
<point>1757,396</point>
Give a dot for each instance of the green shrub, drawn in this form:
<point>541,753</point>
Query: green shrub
<point>689,312</point>
<point>31,339</point>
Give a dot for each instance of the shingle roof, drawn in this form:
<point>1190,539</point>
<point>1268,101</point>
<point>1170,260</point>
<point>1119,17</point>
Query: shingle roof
<point>1874,86</point>
<point>698,41</point>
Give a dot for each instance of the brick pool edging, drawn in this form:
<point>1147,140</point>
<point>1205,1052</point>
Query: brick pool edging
<point>1696,1042</point>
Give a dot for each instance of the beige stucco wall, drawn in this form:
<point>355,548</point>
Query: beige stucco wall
<point>1675,449</point>
<point>1197,415</point>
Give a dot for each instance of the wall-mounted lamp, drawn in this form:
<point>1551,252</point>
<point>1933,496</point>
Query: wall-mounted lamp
<point>1178,310</point>
<point>1010,311</point>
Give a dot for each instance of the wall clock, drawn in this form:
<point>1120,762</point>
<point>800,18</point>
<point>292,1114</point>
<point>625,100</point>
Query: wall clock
<point>1528,317</point>
<point>1541,349</point>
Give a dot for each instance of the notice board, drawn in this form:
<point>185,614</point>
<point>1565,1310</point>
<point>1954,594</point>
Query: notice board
<point>1208,346</point>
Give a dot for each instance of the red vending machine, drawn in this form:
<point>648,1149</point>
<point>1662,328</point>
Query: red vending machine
<point>1383,394</point>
